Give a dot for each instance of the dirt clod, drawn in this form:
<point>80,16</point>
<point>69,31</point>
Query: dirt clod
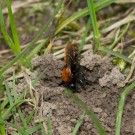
<point>50,68</point>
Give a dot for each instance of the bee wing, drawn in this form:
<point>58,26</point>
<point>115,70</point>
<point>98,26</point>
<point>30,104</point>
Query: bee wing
<point>71,54</point>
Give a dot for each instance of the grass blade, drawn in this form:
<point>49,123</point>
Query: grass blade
<point>22,132</point>
<point>8,93</point>
<point>25,126</point>
<point>11,100</point>
<point>2,89</point>
<point>30,116</point>
<point>121,106</point>
<point>29,131</point>
<point>78,124</point>
<point>42,129</point>
<point>2,129</point>
<point>93,17</point>
<point>2,126</point>
<point>84,36</point>
<point>49,125</point>
<point>13,28</point>
<point>4,31</point>
<point>109,51</point>
<point>88,111</point>
<point>33,129</point>
<point>14,87</point>
<point>15,104</point>
<point>120,36</point>
<point>36,50</point>
<point>3,104</point>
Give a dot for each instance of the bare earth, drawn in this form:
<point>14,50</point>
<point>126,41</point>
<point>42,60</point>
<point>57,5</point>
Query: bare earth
<point>102,95</point>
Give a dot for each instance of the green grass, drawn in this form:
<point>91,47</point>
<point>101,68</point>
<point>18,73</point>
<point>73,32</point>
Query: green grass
<point>30,45</point>
<point>14,47</point>
<point>13,28</point>
<point>78,124</point>
<point>121,106</point>
<point>11,105</point>
<point>84,12</point>
<point>92,14</point>
<point>120,36</point>
<point>84,35</point>
<point>116,54</point>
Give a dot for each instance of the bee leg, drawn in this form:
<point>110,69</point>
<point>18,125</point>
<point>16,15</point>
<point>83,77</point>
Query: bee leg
<point>73,87</point>
<point>82,80</point>
<point>82,83</point>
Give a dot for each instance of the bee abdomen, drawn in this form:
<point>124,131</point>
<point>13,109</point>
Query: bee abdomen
<point>66,75</point>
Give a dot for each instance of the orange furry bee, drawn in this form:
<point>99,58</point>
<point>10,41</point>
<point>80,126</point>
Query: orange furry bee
<point>71,73</point>
<point>71,60</point>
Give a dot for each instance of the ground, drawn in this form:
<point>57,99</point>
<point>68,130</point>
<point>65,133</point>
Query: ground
<point>102,96</point>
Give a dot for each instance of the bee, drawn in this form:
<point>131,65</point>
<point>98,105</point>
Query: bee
<point>71,73</point>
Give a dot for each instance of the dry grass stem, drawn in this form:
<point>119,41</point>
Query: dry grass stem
<point>118,24</point>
